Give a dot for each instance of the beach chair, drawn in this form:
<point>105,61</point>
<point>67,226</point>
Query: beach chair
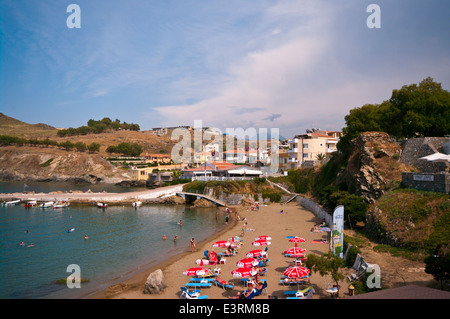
<point>250,281</point>
<point>193,294</point>
<point>309,295</point>
<point>198,284</point>
<point>288,281</point>
<point>223,284</point>
<point>252,294</point>
<point>297,293</point>
<point>263,288</point>
<point>202,280</point>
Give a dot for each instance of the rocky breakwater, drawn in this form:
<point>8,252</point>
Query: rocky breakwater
<point>51,164</point>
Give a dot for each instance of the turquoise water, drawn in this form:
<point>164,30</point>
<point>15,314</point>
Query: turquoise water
<point>120,240</point>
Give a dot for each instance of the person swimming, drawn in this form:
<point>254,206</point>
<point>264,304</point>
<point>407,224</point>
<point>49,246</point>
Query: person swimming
<point>164,237</point>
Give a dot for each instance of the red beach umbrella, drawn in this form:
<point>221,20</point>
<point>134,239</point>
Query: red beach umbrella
<point>256,253</point>
<point>263,238</point>
<point>294,251</point>
<point>297,240</point>
<point>247,263</point>
<point>195,271</point>
<point>222,243</point>
<point>296,272</point>
<point>261,243</point>
<point>244,272</point>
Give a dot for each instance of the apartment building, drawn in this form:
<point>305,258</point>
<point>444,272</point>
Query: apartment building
<point>307,149</point>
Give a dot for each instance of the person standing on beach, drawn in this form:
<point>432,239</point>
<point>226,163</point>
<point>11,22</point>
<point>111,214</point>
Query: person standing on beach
<point>192,244</point>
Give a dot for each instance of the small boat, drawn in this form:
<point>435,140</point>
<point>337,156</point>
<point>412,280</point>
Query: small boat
<point>30,203</point>
<point>46,205</point>
<point>61,205</point>
<point>102,205</point>
<point>137,204</point>
<point>11,203</point>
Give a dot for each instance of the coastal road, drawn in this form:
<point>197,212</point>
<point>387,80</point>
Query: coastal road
<point>99,197</point>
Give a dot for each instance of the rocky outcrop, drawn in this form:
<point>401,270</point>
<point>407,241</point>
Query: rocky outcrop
<point>51,164</point>
<point>155,283</point>
<point>372,162</point>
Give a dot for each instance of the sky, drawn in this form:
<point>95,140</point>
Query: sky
<point>291,65</point>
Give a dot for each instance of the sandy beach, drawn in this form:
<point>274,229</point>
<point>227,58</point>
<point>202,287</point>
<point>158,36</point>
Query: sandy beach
<point>268,221</point>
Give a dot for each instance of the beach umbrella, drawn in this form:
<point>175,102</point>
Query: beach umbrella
<point>261,243</point>
<point>263,238</point>
<point>195,271</point>
<point>222,243</point>
<point>247,263</point>
<point>296,272</point>
<point>294,251</point>
<point>244,272</point>
<point>297,239</point>
<point>256,253</point>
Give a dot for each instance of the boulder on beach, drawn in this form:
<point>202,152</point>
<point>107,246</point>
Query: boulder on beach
<point>155,283</point>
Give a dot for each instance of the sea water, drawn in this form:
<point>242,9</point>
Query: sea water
<point>121,240</point>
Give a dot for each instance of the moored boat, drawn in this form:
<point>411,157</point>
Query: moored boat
<point>46,205</point>
<point>61,204</point>
<point>30,203</point>
<point>137,204</point>
<point>102,205</point>
<point>11,203</point>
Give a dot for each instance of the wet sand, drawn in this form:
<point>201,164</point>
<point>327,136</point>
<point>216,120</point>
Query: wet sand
<point>295,221</point>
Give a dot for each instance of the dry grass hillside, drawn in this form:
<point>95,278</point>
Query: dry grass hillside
<point>13,127</point>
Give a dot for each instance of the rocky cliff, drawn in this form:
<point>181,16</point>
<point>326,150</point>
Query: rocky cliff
<point>51,164</point>
<point>374,166</point>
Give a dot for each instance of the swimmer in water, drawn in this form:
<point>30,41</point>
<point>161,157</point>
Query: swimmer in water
<point>175,238</point>
<point>85,237</point>
<point>164,237</point>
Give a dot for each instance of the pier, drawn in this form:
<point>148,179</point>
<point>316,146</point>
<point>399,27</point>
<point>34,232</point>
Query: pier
<point>188,197</point>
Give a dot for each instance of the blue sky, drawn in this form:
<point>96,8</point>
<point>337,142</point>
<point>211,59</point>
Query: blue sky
<point>290,65</point>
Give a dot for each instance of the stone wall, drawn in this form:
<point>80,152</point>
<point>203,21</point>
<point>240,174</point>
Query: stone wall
<point>415,148</point>
<point>315,208</point>
<point>432,182</point>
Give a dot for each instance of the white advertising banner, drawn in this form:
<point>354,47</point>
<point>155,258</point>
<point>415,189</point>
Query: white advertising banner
<point>337,234</point>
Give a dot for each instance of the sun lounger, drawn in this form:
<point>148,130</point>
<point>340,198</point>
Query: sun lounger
<point>223,284</point>
<point>248,281</point>
<point>259,291</point>
<point>191,294</point>
<point>202,280</point>
<point>296,293</point>
<point>288,281</point>
<point>199,284</point>
<point>309,295</point>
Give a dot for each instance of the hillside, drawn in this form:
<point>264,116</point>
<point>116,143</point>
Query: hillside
<point>11,126</point>
<point>52,164</point>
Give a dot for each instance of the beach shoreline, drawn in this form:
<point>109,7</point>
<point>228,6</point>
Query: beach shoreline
<point>294,220</point>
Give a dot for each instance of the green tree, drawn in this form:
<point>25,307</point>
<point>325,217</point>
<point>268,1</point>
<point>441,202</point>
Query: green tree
<point>80,146</point>
<point>414,110</point>
<point>68,145</point>
<point>439,267</point>
<point>327,264</point>
<point>93,147</point>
